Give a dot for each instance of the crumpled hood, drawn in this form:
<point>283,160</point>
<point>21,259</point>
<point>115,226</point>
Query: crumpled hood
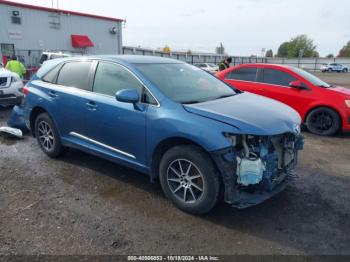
<point>250,113</point>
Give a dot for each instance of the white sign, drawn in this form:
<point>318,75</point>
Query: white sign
<point>15,34</point>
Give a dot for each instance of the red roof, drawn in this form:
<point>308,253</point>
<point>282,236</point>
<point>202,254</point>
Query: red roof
<point>81,41</point>
<point>47,9</point>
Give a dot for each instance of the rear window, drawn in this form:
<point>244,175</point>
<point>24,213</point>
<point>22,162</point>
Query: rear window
<point>75,74</point>
<point>243,74</point>
<point>51,76</point>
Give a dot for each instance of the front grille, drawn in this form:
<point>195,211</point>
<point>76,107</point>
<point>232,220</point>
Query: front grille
<point>3,81</point>
<point>5,96</point>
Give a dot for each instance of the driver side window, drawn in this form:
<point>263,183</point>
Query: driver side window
<point>110,78</point>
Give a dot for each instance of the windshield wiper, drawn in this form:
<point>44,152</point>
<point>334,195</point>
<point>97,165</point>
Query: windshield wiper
<point>224,96</point>
<point>191,102</point>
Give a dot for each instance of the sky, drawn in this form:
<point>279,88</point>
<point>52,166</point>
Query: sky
<point>244,27</point>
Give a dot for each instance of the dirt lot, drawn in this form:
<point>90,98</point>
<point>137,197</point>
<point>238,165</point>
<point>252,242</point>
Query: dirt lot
<point>80,204</point>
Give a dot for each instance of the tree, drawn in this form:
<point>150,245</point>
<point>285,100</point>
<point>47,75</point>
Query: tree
<point>300,45</point>
<point>269,53</point>
<point>283,50</point>
<point>166,49</point>
<point>330,56</point>
<point>220,50</point>
<point>345,51</point>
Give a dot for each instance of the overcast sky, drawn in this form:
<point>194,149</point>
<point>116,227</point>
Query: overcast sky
<point>243,26</point>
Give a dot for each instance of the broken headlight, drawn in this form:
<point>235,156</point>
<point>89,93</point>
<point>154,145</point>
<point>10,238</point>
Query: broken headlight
<point>231,137</point>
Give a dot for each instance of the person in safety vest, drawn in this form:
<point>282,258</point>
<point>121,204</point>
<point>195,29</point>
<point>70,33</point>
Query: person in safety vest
<point>225,64</point>
<point>16,66</point>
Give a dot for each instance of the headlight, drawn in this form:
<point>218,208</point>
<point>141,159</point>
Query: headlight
<point>14,79</point>
<point>347,102</point>
<point>231,137</point>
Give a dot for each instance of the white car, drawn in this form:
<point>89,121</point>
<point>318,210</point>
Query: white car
<point>209,67</point>
<point>53,55</point>
<point>11,87</point>
<point>334,67</point>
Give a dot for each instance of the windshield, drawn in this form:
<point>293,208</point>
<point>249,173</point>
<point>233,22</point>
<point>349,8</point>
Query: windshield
<point>311,78</point>
<point>185,83</point>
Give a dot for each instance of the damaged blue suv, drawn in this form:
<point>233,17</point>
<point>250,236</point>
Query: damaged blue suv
<point>170,120</point>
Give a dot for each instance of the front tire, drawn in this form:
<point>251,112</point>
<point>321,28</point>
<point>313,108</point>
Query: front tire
<point>345,70</point>
<point>323,121</point>
<point>47,135</point>
<point>189,179</point>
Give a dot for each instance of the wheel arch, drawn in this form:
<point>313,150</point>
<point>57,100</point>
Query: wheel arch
<point>324,106</point>
<point>33,115</point>
<point>167,144</point>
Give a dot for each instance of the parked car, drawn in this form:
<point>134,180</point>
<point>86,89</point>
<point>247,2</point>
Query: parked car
<point>333,67</point>
<point>209,67</point>
<point>11,87</point>
<point>324,108</point>
<point>167,119</point>
<point>53,55</point>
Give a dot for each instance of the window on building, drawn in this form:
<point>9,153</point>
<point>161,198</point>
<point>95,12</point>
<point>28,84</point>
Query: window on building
<point>75,74</point>
<point>243,74</point>
<point>110,78</point>
<point>277,77</point>
<point>16,20</point>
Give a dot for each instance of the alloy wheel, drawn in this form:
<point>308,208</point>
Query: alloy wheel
<point>46,136</point>
<point>322,121</point>
<point>185,180</point>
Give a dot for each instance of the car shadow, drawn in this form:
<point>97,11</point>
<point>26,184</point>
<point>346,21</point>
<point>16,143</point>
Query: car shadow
<point>301,217</point>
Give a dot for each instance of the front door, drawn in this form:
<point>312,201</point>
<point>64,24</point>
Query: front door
<point>115,127</point>
<point>275,84</point>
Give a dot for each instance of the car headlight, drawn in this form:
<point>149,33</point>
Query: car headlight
<point>14,79</point>
<point>347,102</point>
<point>231,137</point>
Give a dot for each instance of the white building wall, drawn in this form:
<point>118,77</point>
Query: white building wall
<point>34,33</point>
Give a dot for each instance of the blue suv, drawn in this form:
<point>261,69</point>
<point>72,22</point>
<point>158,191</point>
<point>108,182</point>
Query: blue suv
<point>168,119</point>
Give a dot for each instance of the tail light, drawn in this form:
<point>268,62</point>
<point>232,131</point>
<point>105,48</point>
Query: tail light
<point>25,90</point>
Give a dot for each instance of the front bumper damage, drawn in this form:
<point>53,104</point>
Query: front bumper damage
<point>277,173</point>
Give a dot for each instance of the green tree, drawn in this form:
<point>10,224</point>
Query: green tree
<point>283,50</point>
<point>330,56</point>
<point>269,53</point>
<point>300,45</point>
<point>345,51</point>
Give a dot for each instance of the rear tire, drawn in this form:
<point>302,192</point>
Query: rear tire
<point>330,70</point>
<point>189,179</point>
<point>323,121</point>
<point>47,135</point>
<point>345,70</point>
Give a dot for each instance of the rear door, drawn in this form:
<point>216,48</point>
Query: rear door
<point>73,86</point>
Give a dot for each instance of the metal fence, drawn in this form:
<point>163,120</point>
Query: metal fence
<point>191,58</point>
<point>311,64</point>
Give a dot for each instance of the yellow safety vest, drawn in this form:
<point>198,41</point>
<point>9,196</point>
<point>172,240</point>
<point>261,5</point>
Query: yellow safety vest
<point>16,67</point>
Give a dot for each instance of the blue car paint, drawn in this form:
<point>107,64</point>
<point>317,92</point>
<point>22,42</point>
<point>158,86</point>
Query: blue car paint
<point>140,132</point>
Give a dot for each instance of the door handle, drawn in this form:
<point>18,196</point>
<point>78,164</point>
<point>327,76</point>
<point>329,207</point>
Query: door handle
<point>91,106</point>
<point>52,94</point>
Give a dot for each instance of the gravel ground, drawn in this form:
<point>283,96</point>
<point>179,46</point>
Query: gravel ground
<point>80,204</point>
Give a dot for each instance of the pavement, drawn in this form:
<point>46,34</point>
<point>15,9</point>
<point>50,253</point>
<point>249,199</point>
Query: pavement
<point>81,204</point>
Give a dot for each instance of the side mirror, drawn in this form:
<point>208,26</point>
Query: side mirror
<point>297,84</point>
<point>127,96</point>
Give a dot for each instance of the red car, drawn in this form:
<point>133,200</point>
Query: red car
<point>324,108</point>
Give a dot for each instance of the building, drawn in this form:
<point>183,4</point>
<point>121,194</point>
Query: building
<point>28,30</point>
